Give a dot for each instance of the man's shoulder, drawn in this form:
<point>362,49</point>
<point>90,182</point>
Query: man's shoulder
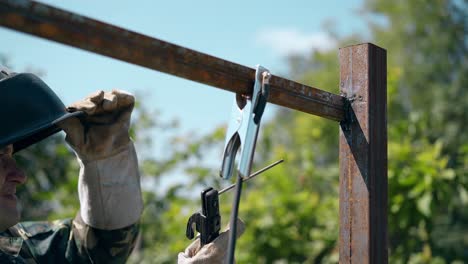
<point>39,241</point>
<point>29,229</point>
<point>24,240</point>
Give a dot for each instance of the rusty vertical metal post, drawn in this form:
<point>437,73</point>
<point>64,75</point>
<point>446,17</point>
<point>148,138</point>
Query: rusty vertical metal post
<point>363,155</point>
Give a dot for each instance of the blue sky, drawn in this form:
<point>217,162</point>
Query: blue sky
<point>245,32</point>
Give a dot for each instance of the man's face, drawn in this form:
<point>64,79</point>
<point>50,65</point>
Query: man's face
<point>10,177</point>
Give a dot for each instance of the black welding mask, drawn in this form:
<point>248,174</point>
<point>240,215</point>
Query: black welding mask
<point>29,110</point>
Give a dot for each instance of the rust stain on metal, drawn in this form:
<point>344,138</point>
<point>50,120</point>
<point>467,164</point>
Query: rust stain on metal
<point>14,19</point>
<point>47,30</point>
<point>95,42</point>
<point>78,31</point>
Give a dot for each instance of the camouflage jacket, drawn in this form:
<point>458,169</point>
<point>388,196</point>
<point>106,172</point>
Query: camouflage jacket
<point>65,241</point>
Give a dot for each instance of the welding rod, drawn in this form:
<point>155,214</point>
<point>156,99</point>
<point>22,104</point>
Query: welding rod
<point>252,176</point>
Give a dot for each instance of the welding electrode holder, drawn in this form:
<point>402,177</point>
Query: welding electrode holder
<point>208,221</point>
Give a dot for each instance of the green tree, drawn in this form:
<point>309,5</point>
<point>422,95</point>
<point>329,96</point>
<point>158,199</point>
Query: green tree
<point>428,53</point>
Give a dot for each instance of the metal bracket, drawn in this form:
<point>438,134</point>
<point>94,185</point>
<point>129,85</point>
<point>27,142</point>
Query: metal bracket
<point>242,132</point>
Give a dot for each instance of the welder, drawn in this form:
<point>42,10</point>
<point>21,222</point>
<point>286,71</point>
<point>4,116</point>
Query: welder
<point>97,129</point>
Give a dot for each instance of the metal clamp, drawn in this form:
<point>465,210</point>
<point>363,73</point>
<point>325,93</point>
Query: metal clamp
<point>244,124</point>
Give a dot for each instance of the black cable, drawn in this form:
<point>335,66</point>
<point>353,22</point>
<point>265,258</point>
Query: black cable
<point>233,221</point>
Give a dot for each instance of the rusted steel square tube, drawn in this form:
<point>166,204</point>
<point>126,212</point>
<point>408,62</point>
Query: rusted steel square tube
<point>363,155</point>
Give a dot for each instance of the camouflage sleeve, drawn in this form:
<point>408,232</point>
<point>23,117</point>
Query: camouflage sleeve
<point>72,241</point>
<point>91,245</point>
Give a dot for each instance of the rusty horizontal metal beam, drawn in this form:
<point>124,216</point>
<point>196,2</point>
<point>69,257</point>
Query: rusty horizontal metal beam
<point>85,33</point>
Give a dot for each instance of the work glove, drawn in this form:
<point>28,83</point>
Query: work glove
<point>109,181</point>
<point>103,131</point>
<point>212,253</point>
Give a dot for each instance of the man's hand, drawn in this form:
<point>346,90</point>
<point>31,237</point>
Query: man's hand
<point>103,131</point>
<point>214,252</point>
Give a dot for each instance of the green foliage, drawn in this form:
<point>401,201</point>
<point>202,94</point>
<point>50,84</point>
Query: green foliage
<point>427,50</point>
<point>430,45</point>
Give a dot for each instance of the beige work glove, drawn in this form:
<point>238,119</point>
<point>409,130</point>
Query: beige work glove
<point>103,131</point>
<point>109,180</point>
<point>212,253</point>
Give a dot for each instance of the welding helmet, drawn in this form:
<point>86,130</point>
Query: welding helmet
<point>29,110</point>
